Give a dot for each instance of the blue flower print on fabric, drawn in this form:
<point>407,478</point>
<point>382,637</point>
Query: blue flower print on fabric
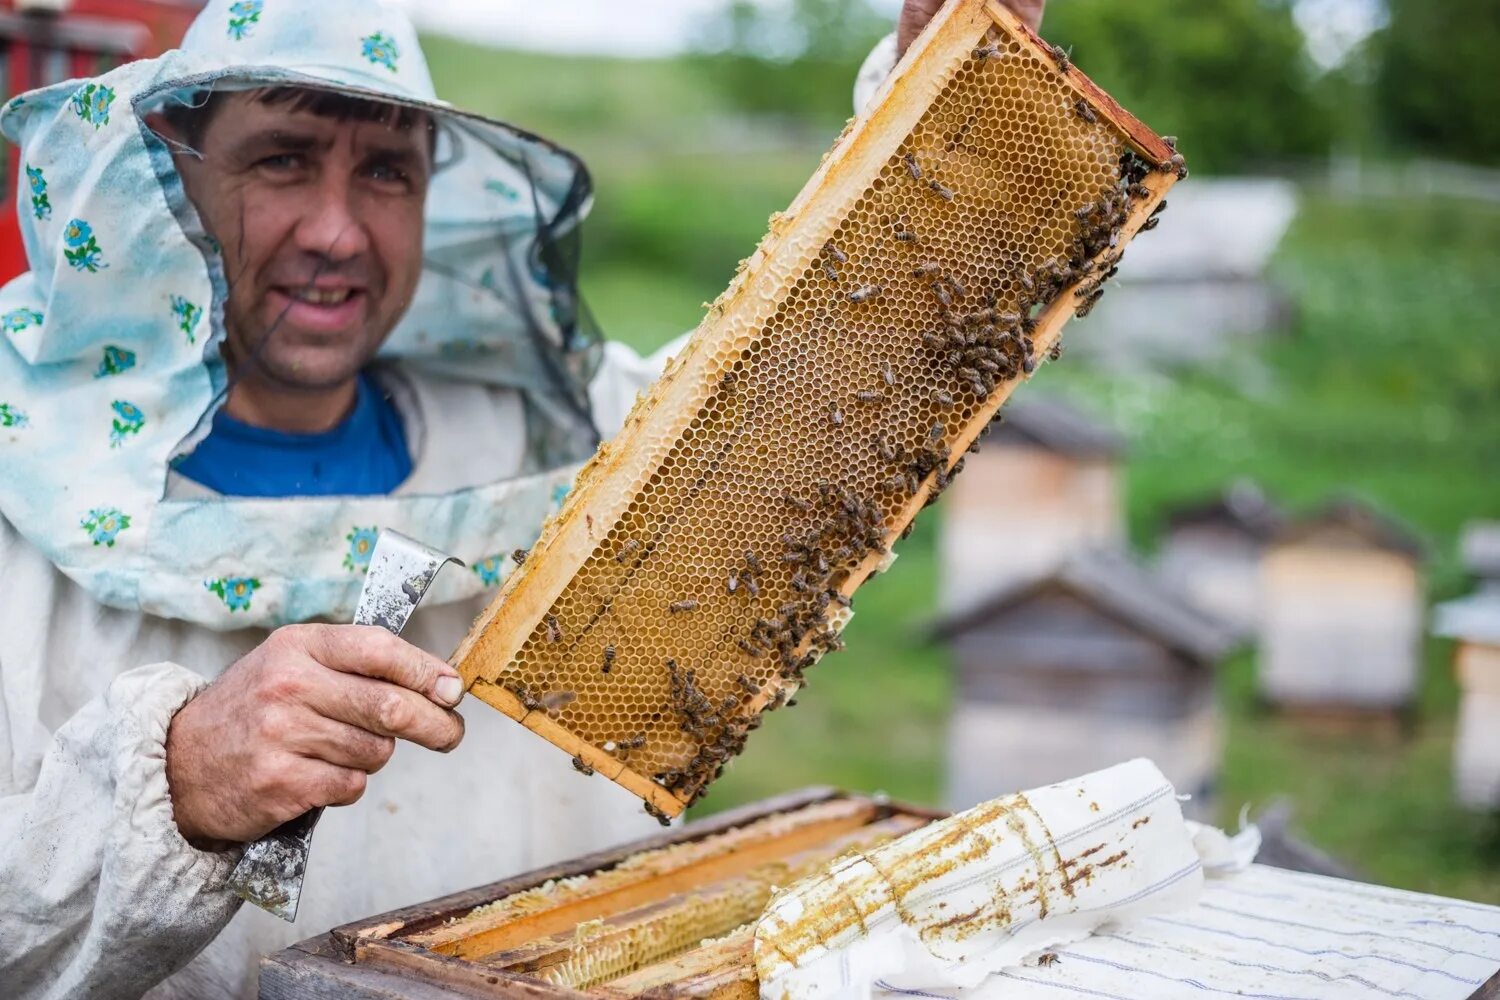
<point>115,361</point>
<point>380,49</point>
<point>504,190</point>
<point>128,420</point>
<point>234,591</point>
<point>243,17</point>
<point>81,247</point>
<point>488,570</point>
<point>12,417</point>
<point>187,316</point>
<point>91,103</point>
<point>361,547</point>
<point>19,319</point>
<point>41,205</point>
<point>104,525</point>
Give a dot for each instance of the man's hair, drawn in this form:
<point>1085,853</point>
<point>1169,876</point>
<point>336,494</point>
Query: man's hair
<point>192,120</point>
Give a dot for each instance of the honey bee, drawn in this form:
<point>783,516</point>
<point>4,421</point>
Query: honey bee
<point>938,189</point>
<point>752,586</point>
<point>1171,141</point>
<point>903,234</point>
<point>1061,56</point>
<point>555,700</point>
<point>749,686</point>
<point>1082,110</point>
<point>943,399</point>
<point>1150,224</point>
<point>754,651</point>
<point>912,167</point>
<point>800,504</point>
<point>887,374</point>
<point>942,293</point>
<point>835,415</point>
<point>1048,958</point>
<point>870,396</point>
<point>834,252</point>
<point>659,816</point>
<point>1055,351</point>
<point>630,546</point>
<point>865,293</point>
<point>926,269</point>
<point>581,767</point>
<point>753,562</point>
<point>958,288</point>
<point>634,743</point>
<point>609,659</point>
<point>1161,207</point>
<point>554,630</point>
<point>987,52</point>
<point>830,271</point>
<point>686,604</point>
<point>937,431</point>
<point>732,582</point>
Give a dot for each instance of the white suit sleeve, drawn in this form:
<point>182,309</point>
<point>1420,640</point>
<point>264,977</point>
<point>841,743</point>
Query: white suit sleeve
<point>877,66</point>
<point>622,375</point>
<point>100,896</point>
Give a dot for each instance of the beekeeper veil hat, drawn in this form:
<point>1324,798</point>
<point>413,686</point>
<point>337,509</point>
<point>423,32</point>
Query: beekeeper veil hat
<point>110,346</point>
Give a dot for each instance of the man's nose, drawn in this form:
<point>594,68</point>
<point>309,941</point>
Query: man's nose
<point>330,226</point>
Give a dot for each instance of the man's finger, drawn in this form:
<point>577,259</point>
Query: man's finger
<point>371,651</point>
<point>341,744</point>
<point>385,709</point>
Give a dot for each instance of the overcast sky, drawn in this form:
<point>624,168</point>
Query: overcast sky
<point>657,27</point>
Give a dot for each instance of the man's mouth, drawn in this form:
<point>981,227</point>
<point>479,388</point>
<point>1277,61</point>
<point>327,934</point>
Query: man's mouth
<point>320,296</point>
<point>332,311</point>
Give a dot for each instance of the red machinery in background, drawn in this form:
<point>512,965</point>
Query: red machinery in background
<point>47,41</point>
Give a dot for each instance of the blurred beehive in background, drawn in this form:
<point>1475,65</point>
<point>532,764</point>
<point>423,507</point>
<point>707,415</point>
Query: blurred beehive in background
<point>1045,486</point>
<point>1343,613</point>
<point>1212,552</point>
<point>1473,623</point>
<point>1189,296</point>
<point>1085,665</point>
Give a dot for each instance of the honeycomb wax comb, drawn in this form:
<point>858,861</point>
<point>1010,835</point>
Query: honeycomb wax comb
<point>706,555</point>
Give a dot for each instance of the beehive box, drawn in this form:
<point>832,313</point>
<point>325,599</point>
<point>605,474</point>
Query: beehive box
<point>706,557</point>
<point>672,916</point>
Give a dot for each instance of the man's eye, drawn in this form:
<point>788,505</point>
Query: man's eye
<point>388,173</point>
<point>281,161</point>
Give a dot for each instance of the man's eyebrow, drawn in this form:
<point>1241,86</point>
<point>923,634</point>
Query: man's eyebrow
<point>279,138</point>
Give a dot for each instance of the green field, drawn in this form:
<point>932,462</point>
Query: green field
<point>1387,384</point>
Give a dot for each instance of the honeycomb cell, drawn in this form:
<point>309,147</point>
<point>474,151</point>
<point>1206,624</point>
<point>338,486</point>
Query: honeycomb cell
<point>817,435</point>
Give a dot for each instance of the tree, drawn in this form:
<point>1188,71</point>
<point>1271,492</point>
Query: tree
<point>1230,78</point>
<point>1436,87</point>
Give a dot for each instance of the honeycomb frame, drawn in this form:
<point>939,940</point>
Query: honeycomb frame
<point>606,636</point>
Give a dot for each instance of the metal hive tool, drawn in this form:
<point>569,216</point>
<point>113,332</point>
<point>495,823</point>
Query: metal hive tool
<point>705,556</point>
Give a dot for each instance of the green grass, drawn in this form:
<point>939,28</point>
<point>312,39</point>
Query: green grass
<point>1389,385</point>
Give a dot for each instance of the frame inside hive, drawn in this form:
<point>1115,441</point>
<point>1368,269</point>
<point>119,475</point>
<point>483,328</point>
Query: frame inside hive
<point>544,650</point>
<point>671,916</point>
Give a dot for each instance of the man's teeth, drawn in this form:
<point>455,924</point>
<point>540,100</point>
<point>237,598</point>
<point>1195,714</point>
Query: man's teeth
<point>321,296</point>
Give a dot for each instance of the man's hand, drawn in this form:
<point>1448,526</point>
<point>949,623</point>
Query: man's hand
<point>916,13</point>
<point>300,721</point>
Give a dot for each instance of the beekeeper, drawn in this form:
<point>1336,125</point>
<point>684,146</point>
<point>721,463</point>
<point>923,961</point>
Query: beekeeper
<point>281,297</point>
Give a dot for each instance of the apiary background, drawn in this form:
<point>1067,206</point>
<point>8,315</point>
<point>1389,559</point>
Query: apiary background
<point>1384,380</point>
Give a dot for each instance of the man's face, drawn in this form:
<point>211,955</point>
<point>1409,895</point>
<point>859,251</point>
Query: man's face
<point>320,222</point>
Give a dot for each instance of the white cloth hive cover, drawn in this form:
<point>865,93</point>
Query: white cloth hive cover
<point>109,347</point>
<point>959,899</point>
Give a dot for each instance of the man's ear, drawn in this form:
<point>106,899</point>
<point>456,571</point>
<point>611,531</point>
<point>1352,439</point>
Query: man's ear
<point>170,133</point>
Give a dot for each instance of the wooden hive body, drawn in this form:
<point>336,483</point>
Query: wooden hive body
<point>704,557</point>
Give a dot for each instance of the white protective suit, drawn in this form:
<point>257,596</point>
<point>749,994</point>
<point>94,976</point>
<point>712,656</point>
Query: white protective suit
<point>112,617</point>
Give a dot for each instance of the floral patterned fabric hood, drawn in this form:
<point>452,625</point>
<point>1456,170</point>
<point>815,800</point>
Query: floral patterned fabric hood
<point>109,346</point>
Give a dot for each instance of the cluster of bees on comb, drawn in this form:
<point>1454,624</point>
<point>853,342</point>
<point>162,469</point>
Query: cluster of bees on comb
<point>980,337</point>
